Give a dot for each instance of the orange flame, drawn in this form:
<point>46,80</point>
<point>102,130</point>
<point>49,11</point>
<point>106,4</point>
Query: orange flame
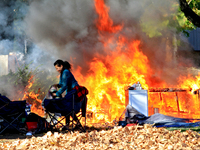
<point>30,97</point>
<point>104,23</point>
<point>123,66</point>
<point>107,79</point>
<point>190,82</point>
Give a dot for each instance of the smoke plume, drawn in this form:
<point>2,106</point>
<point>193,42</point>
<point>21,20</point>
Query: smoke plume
<point>66,29</point>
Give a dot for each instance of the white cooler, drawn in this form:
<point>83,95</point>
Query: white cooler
<point>138,99</point>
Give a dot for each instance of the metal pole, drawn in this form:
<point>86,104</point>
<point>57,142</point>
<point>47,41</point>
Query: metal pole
<point>73,113</point>
<point>177,103</point>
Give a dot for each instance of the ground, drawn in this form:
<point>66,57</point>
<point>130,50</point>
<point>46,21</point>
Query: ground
<point>12,136</point>
<point>9,137</point>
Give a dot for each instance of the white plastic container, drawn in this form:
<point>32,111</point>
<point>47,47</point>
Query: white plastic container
<point>138,99</point>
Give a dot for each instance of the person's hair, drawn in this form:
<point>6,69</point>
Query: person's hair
<point>65,64</point>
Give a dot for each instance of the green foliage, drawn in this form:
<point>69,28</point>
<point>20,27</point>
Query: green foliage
<point>183,129</point>
<point>183,23</point>
<point>22,76</point>
<point>195,5</point>
<point>156,18</point>
<point>154,29</point>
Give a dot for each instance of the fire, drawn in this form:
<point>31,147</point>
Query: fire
<point>104,23</point>
<point>124,65</point>
<point>106,82</point>
<point>190,82</point>
<point>107,78</point>
<point>33,99</point>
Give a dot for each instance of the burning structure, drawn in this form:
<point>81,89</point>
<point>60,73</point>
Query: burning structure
<point>128,63</point>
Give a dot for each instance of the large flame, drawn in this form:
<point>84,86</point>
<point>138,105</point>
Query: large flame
<point>125,64</point>
<point>105,23</point>
<point>121,67</point>
<point>33,99</point>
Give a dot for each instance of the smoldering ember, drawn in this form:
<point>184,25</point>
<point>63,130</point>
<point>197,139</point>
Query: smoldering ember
<point>136,64</point>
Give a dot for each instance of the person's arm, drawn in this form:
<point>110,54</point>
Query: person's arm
<point>58,85</point>
<point>65,77</point>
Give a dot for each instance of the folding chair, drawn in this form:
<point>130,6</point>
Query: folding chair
<point>10,113</point>
<point>67,107</point>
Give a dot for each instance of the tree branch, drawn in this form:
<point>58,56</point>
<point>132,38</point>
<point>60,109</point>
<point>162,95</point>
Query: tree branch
<point>189,13</point>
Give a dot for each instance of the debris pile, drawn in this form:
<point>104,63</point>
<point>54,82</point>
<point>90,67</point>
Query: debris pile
<point>133,137</point>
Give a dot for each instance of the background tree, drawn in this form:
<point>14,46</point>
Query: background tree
<point>191,10</point>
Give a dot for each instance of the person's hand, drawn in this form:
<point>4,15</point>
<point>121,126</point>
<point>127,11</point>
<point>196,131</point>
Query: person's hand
<point>54,94</point>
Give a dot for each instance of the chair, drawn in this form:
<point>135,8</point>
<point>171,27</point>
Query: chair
<point>59,109</point>
<point>10,114</point>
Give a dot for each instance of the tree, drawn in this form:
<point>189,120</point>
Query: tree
<point>191,11</point>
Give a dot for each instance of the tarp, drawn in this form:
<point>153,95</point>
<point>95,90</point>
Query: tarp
<point>158,120</point>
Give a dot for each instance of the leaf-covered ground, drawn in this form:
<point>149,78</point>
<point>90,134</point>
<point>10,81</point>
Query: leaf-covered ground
<point>133,137</point>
